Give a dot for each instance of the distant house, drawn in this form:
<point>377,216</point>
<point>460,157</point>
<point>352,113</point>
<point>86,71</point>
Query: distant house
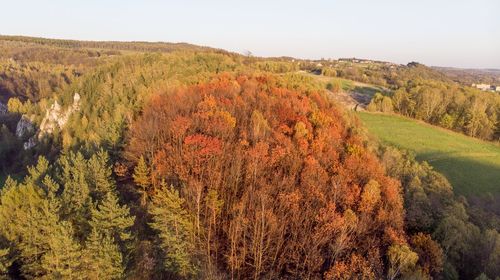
<point>367,61</point>
<point>482,86</point>
<point>352,60</point>
<point>486,87</point>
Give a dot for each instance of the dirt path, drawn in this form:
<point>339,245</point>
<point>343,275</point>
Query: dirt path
<point>356,97</point>
<point>352,99</point>
<point>348,100</point>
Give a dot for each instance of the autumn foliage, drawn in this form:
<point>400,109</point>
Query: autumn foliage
<point>277,182</point>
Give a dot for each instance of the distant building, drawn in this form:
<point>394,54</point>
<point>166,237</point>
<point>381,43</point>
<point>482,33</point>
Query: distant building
<point>482,86</point>
<point>486,87</point>
<point>352,60</point>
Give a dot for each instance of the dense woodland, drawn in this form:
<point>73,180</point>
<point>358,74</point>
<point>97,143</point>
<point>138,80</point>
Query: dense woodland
<point>444,103</point>
<point>183,162</point>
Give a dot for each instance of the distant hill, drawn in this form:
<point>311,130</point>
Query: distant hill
<point>111,45</point>
<point>471,76</point>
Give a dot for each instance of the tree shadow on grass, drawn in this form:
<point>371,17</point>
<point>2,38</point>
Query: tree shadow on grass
<point>477,181</point>
<point>363,95</point>
<point>369,91</point>
<point>467,175</point>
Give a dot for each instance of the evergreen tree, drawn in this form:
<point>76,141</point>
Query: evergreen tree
<point>48,247</point>
<point>142,179</point>
<point>51,187</point>
<point>99,174</point>
<point>33,226</point>
<point>76,193</point>
<point>62,260</point>
<point>112,219</point>
<point>37,173</point>
<point>101,258</point>
<point>176,231</point>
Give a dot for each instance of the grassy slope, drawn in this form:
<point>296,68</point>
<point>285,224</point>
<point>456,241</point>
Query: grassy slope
<point>471,165</point>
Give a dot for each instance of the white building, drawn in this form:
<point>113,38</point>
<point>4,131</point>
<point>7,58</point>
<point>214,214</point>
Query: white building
<point>482,86</point>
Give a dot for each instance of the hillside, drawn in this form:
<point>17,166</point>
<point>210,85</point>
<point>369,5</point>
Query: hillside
<point>108,45</point>
<point>472,76</point>
<point>471,165</point>
<point>137,160</point>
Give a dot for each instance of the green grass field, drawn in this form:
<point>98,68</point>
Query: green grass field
<point>472,166</point>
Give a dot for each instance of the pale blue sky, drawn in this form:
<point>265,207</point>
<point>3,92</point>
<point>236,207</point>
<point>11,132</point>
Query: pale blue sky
<point>434,32</point>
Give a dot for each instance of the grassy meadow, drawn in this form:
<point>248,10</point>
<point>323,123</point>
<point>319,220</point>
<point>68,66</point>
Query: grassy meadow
<point>471,165</point>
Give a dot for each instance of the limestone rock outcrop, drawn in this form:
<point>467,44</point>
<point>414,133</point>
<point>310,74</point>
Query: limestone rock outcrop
<point>3,109</point>
<point>30,143</point>
<point>24,127</point>
<point>55,117</point>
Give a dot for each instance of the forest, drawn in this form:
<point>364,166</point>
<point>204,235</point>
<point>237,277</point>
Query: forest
<point>172,161</point>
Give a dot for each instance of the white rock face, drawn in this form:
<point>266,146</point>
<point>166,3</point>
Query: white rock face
<point>30,143</point>
<point>76,102</point>
<point>3,109</point>
<point>55,117</point>
<point>24,126</point>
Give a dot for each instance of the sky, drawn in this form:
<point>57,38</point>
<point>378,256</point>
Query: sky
<point>458,33</point>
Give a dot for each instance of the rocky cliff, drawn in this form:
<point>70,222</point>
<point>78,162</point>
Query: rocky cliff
<point>55,117</point>
<point>24,127</point>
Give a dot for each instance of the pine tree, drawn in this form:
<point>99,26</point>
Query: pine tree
<point>34,228</point>
<point>99,174</point>
<point>141,179</point>
<point>112,219</point>
<point>76,193</point>
<point>62,260</point>
<point>51,186</point>
<point>101,258</point>
<point>36,173</point>
<point>9,183</point>
<point>176,231</point>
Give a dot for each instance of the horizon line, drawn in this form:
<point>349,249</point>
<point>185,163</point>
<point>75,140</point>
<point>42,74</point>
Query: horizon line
<point>242,52</point>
